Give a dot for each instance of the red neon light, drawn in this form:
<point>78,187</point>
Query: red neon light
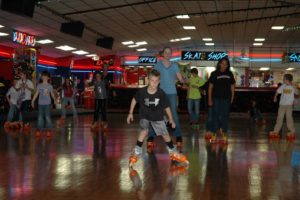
<point>5,53</point>
<point>47,62</point>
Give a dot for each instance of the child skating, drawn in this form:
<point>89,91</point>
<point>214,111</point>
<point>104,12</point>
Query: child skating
<point>100,91</point>
<point>153,103</point>
<point>44,91</point>
<point>288,92</point>
<point>14,115</point>
<point>194,97</point>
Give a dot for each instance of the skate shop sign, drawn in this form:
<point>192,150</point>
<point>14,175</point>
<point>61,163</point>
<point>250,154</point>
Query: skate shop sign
<point>147,59</point>
<point>23,38</point>
<point>294,57</point>
<point>203,56</point>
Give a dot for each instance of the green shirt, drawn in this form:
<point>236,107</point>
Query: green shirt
<point>194,84</point>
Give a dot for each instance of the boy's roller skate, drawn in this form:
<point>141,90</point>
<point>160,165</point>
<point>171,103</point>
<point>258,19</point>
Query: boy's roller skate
<point>224,139</point>
<point>94,127</point>
<point>177,157</point>
<point>26,128</point>
<point>273,135</point>
<point>290,136</point>
<point>213,139</point>
<point>137,151</point>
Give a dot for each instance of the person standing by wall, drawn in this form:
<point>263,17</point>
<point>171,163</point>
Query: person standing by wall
<point>69,94</point>
<point>169,73</point>
<point>220,96</point>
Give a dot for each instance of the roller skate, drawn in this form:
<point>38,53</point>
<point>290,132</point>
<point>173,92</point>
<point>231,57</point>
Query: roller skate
<point>274,135</point>
<point>177,157</point>
<point>137,152</point>
<point>208,135</point>
<point>26,128</point>
<point>213,139</point>
<point>290,136</point>
<point>94,127</point>
<point>150,146</point>
<point>7,125</point>
<point>49,134</point>
<point>224,139</point>
<point>38,134</point>
<point>177,170</point>
<point>104,128</point>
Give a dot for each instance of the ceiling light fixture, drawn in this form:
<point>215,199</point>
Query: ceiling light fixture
<point>65,48</point>
<point>264,68</point>
<point>80,52</point>
<point>209,44</point>
<point>185,38</point>
<point>133,46</point>
<point>141,43</point>
<point>143,49</point>
<point>3,34</point>
<point>259,39</point>
<point>91,55</point>
<point>1,26</point>
<point>290,69</point>
<point>257,44</point>
<point>277,27</point>
<point>182,16</point>
<point>127,42</point>
<point>46,41</point>
<point>207,39</point>
<point>189,27</point>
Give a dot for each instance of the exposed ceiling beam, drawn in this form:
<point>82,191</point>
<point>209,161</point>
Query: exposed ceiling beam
<point>218,12</point>
<point>254,19</point>
<point>286,2</point>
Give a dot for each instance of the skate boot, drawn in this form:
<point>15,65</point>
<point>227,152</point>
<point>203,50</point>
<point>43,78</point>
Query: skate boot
<point>290,136</point>
<point>136,153</point>
<point>26,128</point>
<point>177,157</point>
<point>94,127</point>
<point>48,133</point>
<point>150,146</point>
<point>208,135</point>
<point>213,139</point>
<point>104,128</point>
<point>7,124</point>
<point>224,139</point>
<point>273,135</point>
<point>38,134</point>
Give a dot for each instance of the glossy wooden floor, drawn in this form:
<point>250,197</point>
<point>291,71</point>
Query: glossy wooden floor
<point>77,164</point>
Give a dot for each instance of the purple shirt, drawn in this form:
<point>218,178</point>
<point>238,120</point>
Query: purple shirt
<point>44,93</point>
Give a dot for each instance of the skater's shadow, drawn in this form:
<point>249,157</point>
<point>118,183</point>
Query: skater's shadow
<point>99,150</point>
<point>217,178</point>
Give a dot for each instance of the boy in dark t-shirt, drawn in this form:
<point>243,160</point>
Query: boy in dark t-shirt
<point>153,103</point>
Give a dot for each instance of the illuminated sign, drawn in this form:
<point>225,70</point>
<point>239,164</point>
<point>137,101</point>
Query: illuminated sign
<point>294,57</point>
<point>147,59</point>
<point>23,38</point>
<point>204,56</point>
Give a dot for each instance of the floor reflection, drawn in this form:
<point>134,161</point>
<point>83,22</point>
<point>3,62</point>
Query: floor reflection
<point>79,164</point>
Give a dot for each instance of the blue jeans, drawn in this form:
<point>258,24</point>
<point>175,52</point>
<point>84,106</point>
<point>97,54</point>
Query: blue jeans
<point>63,106</point>
<point>194,109</point>
<point>13,113</point>
<point>221,108</point>
<point>44,117</point>
<point>210,119</point>
<point>173,105</point>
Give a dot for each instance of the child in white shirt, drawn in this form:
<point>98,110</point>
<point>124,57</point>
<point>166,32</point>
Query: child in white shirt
<point>288,92</point>
<point>12,97</point>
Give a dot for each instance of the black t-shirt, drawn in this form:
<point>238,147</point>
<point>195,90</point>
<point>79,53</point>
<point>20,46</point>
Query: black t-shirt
<point>222,82</point>
<point>152,106</point>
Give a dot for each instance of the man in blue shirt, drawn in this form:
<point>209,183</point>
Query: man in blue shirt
<point>169,73</point>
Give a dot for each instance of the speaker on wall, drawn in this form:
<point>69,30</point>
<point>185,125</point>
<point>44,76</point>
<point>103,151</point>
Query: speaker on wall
<point>106,42</point>
<point>73,28</point>
<point>19,7</point>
